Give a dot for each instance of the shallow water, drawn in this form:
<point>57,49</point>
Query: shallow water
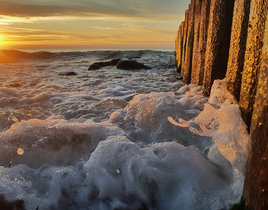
<point>116,139</point>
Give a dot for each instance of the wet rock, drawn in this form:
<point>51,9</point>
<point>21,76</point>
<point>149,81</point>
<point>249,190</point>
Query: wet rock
<point>218,41</point>
<point>253,56</point>
<point>70,73</point>
<point>238,46</point>
<point>114,62</point>
<point>15,205</point>
<point>99,65</point>
<point>131,65</point>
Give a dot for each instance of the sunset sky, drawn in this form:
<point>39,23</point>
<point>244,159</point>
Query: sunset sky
<point>90,24</point>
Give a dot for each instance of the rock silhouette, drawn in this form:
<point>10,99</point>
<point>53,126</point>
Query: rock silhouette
<point>99,65</point>
<point>131,65</point>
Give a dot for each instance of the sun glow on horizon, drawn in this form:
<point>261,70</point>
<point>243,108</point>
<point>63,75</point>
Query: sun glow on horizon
<point>1,40</point>
<point>98,29</point>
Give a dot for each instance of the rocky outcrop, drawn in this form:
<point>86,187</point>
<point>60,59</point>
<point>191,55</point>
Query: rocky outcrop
<point>131,65</point>
<point>99,65</point>
<point>70,73</point>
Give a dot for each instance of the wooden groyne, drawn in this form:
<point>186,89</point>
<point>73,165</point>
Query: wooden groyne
<point>223,39</point>
<point>229,39</point>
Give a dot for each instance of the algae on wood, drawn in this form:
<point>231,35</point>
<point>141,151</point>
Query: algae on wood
<point>255,191</point>
<point>253,55</point>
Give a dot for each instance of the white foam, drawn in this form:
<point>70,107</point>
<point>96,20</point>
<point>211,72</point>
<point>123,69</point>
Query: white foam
<point>102,140</point>
<point>52,141</point>
<point>221,120</point>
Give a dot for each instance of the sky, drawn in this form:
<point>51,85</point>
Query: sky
<point>90,24</point>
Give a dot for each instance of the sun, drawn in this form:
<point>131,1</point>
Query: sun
<point>1,40</point>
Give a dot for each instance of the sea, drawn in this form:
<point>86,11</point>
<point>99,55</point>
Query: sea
<point>115,139</point>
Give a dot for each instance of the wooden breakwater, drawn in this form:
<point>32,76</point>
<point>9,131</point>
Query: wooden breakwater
<point>229,39</point>
<point>223,39</point>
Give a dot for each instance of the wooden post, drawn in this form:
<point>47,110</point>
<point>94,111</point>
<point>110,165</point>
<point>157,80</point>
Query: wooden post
<point>218,42</point>
<point>178,47</point>
<point>189,44</point>
<point>185,29</point>
<point>253,54</point>
<point>238,46</point>
<point>204,22</point>
<point>255,191</point>
<point>196,50</point>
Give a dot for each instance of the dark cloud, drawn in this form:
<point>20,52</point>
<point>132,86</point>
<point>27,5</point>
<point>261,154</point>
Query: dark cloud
<point>119,8</point>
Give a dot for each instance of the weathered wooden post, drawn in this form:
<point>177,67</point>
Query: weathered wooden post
<point>253,54</point>
<point>178,47</point>
<point>204,22</point>
<point>196,59</point>
<point>238,46</point>
<point>255,191</point>
<point>218,42</point>
<point>187,68</point>
<point>185,29</point>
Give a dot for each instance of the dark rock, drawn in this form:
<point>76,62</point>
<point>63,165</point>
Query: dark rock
<point>255,191</point>
<point>253,56</point>
<point>114,62</point>
<point>238,46</point>
<point>71,73</point>
<point>218,42</point>
<point>14,205</point>
<point>131,65</point>
<point>99,65</point>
